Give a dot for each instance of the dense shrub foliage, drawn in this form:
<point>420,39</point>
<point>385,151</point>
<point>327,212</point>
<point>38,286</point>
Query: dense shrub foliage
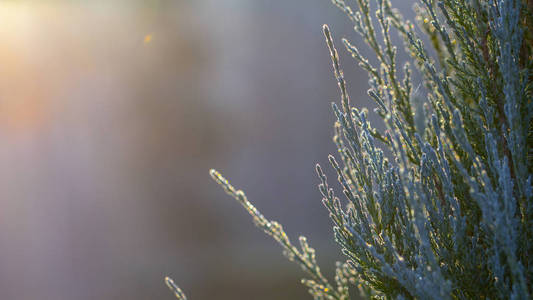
<point>438,205</point>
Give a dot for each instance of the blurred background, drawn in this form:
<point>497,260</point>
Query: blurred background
<point>112,113</point>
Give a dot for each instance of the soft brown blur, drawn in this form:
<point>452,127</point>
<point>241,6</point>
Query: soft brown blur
<point>112,113</point>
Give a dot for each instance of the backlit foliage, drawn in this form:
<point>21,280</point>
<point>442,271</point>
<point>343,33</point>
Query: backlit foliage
<point>439,204</point>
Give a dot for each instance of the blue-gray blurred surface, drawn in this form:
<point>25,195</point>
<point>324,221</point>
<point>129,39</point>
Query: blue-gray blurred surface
<point>112,113</point>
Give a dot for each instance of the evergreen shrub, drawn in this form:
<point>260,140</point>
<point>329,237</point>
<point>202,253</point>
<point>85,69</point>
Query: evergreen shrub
<point>438,205</point>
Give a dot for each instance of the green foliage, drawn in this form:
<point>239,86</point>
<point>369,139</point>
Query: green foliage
<point>174,288</point>
<point>447,213</point>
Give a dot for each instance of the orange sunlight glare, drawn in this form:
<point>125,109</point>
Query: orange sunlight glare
<point>25,91</point>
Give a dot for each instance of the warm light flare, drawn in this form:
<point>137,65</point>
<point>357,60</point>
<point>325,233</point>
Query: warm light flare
<point>147,38</point>
<point>24,89</point>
